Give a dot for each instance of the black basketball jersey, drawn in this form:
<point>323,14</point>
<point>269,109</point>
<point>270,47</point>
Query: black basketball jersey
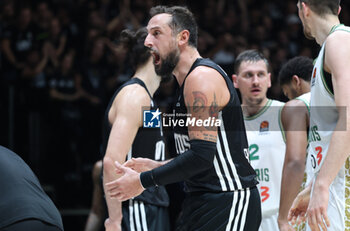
<point>21,195</point>
<point>231,168</point>
<point>148,143</point>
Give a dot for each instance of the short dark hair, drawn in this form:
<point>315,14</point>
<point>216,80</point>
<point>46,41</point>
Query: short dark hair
<point>133,41</point>
<point>301,66</point>
<point>182,19</point>
<point>322,7</point>
<point>249,56</point>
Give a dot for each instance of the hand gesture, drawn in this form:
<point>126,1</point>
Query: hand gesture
<point>299,207</point>
<point>317,211</point>
<point>125,187</point>
<point>141,164</point>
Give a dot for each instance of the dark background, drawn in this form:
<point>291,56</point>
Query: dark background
<point>60,62</point>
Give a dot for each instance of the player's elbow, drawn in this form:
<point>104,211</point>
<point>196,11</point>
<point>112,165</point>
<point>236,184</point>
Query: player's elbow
<point>296,165</point>
<point>204,152</point>
<point>108,166</point>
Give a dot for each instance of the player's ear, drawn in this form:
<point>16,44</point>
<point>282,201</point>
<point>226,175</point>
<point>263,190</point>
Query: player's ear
<point>296,81</point>
<point>305,9</point>
<point>234,79</point>
<point>269,83</point>
<point>339,10</point>
<point>183,37</point>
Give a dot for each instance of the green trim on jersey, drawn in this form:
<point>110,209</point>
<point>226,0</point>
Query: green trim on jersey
<point>323,78</point>
<point>307,104</point>
<point>262,110</point>
<point>281,125</point>
<point>334,28</point>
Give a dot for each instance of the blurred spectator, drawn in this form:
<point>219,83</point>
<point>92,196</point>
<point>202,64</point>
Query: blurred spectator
<point>119,70</point>
<point>223,52</point>
<point>65,93</point>
<point>42,18</point>
<point>57,38</point>
<point>17,39</point>
<point>94,71</point>
<point>7,15</point>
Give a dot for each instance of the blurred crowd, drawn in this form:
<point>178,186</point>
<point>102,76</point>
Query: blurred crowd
<point>60,62</point>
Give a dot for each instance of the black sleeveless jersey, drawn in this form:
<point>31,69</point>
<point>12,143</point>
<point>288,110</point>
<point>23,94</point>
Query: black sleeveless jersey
<point>231,169</point>
<point>148,143</point>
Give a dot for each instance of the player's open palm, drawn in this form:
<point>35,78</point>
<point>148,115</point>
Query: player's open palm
<point>299,207</point>
<point>125,187</point>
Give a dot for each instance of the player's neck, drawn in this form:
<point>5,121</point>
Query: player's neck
<point>304,88</point>
<point>323,26</point>
<point>148,75</point>
<point>250,109</point>
<point>187,58</point>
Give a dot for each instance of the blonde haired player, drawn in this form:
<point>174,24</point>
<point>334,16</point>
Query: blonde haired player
<point>265,137</point>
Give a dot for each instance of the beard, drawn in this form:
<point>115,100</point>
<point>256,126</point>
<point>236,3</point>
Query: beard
<point>166,78</point>
<point>167,65</point>
<point>255,101</point>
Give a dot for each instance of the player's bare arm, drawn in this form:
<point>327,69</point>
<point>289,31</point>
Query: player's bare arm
<point>141,164</point>
<point>295,121</point>
<point>205,93</point>
<point>125,117</point>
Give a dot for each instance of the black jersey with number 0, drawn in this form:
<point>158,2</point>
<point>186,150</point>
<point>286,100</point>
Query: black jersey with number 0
<point>148,143</point>
<point>231,168</point>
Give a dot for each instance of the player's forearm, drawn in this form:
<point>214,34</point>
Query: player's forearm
<point>338,152</point>
<point>113,205</point>
<point>197,159</point>
<point>94,222</point>
<point>161,163</point>
<point>292,178</point>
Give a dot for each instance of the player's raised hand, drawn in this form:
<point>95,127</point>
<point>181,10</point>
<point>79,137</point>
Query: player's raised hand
<point>127,186</point>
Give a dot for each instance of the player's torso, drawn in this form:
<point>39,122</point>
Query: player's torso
<point>267,151</point>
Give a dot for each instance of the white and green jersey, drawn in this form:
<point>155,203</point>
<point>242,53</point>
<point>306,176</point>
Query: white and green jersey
<point>267,151</point>
<point>306,99</point>
<point>323,119</point>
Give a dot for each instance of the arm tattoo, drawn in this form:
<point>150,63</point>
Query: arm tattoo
<point>200,100</point>
<point>214,108</point>
<point>208,137</point>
